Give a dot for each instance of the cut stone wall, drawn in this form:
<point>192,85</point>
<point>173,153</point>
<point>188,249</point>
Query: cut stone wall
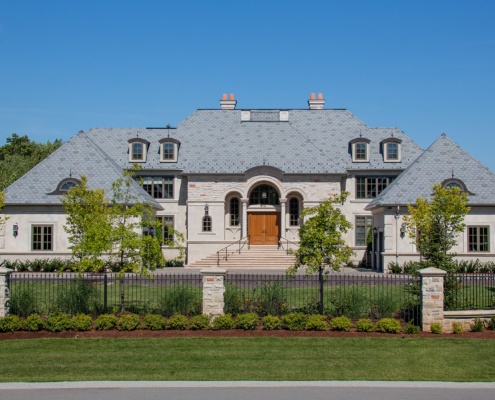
<point>4,291</point>
<point>213,291</point>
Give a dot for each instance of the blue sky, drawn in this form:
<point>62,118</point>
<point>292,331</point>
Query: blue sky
<point>425,67</point>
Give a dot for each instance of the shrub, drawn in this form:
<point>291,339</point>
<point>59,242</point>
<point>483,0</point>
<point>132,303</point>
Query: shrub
<point>11,323</point>
<point>436,327</point>
<point>178,322</point>
<point>294,321</point>
<point>412,329</point>
<point>248,321</point>
<point>78,297</point>
<point>271,323</point>
<point>385,305</point>
<point>180,299</point>
<point>478,325</point>
<point>154,322</point>
<point>365,325</point>
<point>411,267</point>
<point>23,301</point>
<point>128,322</point>
<point>106,322</point>
<point>199,322</point>
<point>457,328</point>
<point>341,324</point>
<point>491,324</point>
<point>82,322</point>
<point>270,299</point>
<point>33,323</point>
<point>388,325</point>
<point>58,322</point>
<point>222,322</point>
<point>350,301</point>
<point>233,303</point>
<point>394,267</point>
<point>316,323</point>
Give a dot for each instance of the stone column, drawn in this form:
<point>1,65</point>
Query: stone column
<point>432,297</point>
<point>4,291</point>
<point>244,202</point>
<point>282,217</point>
<point>213,289</point>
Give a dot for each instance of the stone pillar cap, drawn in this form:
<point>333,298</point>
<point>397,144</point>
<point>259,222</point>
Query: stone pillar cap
<point>213,271</point>
<point>432,272</point>
<point>4,270</point>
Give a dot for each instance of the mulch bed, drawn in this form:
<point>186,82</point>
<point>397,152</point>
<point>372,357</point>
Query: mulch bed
<point>487,334</point>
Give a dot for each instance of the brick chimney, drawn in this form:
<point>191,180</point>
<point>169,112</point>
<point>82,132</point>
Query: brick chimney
<point>316,104</point>
<point>228,104</point>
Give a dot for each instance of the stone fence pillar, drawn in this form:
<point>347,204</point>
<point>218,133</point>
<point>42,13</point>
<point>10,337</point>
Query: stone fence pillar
<point>213,290</point>
<point>432,298</point>
<point>4,291</point>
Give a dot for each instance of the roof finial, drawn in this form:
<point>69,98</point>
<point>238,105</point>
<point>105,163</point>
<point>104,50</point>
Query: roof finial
<point>452,172</point>
<point>360,134</point>
<point>70,172</point>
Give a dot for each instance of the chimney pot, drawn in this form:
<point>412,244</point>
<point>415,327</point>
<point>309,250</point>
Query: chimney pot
<point>226,104</point>
<point>315,104</point>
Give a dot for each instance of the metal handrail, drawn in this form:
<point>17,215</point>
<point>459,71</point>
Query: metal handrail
<point>226,247</point>
<point>288,241</point>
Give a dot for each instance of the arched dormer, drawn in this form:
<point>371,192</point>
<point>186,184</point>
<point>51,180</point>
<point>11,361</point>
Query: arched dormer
<point>65,184</point>
<point>169,149</point>
<point>391,149</point>
<point>138,149</point>
<point>454,182</point>
<point>360,149</point>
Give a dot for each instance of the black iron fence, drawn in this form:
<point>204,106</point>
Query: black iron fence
<point>355,296</point>
<point>352,295</point>
<point>469,291</point>
<point>44,293</point>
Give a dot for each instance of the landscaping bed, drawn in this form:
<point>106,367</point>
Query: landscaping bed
<point>142,333</point>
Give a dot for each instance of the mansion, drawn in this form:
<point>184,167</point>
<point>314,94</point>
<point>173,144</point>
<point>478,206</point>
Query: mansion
<point>228,174</point>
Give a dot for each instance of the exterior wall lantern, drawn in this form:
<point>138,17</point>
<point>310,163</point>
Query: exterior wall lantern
<point>263,194</point>
<point>375,230</point>
<point>403,231</point>
<point>15,229</point>
<point>207,208</point>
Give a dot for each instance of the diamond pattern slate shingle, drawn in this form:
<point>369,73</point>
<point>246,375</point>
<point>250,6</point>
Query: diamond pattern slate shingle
<point>442,159</point>
<point>216,141</point>
<point>79,156</point>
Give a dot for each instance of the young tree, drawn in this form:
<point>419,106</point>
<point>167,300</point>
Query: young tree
<point>321,244</point>
<point>88,225</point>
<point>434,226</point>
<point>131,250</point>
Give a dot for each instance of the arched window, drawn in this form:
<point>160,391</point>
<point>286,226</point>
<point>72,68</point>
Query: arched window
<point>234,211</point>
<point>67,185</point>
<point>454,183</point>
<point>294,211</point>
<point>264,194</point>
<point>206,223</point>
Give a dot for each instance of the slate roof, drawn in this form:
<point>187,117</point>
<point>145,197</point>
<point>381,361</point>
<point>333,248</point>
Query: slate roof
<point>438,163</point>
<point>217,141</point>
<point>78,156</point>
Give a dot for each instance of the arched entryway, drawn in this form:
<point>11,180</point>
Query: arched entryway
<point>264,215</point>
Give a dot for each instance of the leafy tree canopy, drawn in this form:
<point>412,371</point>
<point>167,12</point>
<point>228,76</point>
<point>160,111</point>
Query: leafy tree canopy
<point>19,155</point>
<point>322,245</point>
<point>434,226</point>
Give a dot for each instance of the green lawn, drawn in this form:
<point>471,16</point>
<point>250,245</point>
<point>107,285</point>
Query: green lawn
<point>391,358</point>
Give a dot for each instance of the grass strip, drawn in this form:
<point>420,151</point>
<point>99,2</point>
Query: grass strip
<point>394,359</point>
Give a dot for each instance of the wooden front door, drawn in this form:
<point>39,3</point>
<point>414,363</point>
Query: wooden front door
<point>263,228</point>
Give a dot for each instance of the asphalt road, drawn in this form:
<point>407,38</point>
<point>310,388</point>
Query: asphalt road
<point>247,391</point>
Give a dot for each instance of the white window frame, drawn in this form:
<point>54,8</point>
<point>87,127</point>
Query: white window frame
<point>162,152</point>
<point>385,152</point>
<point>354,152</point>
<point>131,152</point>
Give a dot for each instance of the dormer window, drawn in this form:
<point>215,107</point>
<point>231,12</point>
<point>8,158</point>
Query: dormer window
<point>169,149</point>
<point>455,183</point>
<point>64,185</point>
<point>391,149</point>
<point>360,150</point>
<point>138,150</point>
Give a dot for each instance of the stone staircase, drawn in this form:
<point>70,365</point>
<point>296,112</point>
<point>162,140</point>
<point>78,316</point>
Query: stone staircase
<point>257,257</point>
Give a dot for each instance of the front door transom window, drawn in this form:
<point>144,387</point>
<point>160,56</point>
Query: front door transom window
<point>264,194</point>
